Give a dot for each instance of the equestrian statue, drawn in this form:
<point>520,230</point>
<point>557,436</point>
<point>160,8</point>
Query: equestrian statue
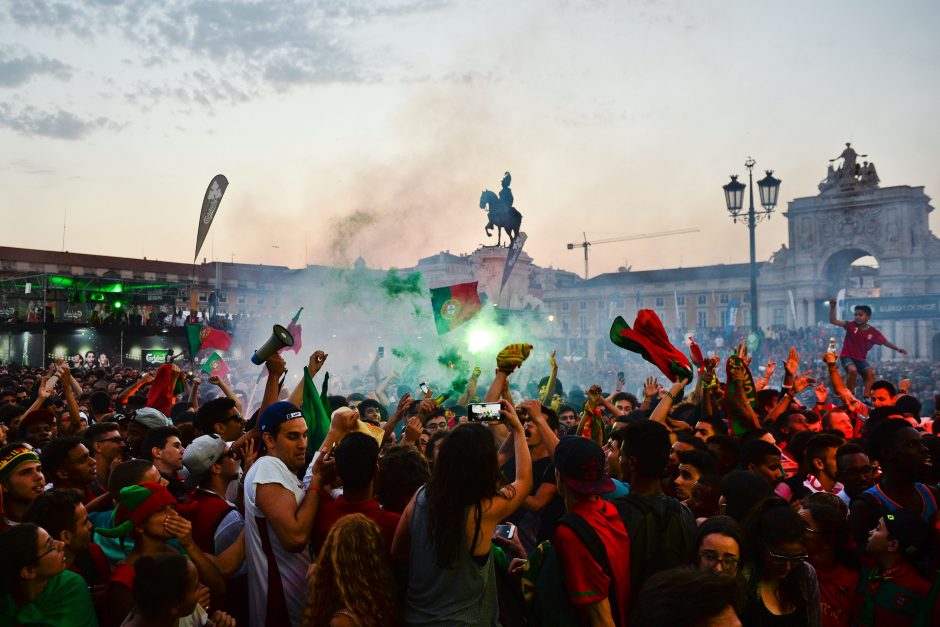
<point>500,212</point>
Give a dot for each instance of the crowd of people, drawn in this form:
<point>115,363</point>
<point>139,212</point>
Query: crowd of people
<point>160,498</point>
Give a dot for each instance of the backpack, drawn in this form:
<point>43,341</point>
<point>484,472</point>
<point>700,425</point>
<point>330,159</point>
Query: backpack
<point>550,604</point>
<point>658,541</point>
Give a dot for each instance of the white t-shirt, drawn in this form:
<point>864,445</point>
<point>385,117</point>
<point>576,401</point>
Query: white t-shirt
<point>292,567</point>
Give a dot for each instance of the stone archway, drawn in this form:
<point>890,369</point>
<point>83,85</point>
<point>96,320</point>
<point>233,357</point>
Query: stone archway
<point>839,271</point>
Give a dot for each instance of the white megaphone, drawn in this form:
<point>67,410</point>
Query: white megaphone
<point>280,337</point>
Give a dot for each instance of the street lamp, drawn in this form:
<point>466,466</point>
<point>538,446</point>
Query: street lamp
<point>734,197</point>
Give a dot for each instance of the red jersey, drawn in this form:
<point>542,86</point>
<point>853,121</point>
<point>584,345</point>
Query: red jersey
<point>329,511</point>
<point>584,577</point>
<point>837,595</point>
<point>857,342</point>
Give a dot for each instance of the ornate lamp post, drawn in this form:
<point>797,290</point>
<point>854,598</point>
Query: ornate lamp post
<point>734,197</point>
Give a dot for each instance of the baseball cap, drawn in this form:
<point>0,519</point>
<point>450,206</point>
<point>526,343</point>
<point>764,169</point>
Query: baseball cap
<point>909,530</point>
<point>276,413</point>
<point>201,454</point>
<point>151,418</point>
<point>580,462</point>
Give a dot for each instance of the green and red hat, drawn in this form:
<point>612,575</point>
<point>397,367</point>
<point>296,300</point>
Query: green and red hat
<point>135,505</point>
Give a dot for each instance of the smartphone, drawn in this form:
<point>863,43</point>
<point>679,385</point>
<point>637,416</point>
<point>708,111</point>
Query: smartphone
<point>621,377</point>
<point>506,531</point>
<point>381,353</point>
<point>483,412</point>
<point>424,388</point>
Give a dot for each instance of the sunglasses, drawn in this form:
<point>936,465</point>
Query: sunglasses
<point>116,440</point>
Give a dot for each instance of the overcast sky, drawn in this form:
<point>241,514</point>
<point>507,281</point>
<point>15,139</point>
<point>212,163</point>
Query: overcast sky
<point>370,128</point>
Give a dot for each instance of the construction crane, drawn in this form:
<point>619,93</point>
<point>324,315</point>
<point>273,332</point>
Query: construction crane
<point>586,244</point>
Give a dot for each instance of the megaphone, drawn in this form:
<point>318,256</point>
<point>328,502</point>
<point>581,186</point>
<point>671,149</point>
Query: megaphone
<point>280,337</point>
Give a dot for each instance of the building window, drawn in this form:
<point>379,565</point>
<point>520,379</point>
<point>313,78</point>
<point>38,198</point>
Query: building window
<point>723,299</point>
<point>680,300</point>
<point>223,297</point>
<point>564,306</point>
<point>582,325</point>
<point>682,324</point>
<point>203,297</point>
<point>703,299</point>
<point>639,301</point>
<point>780,317</point>
<point>723,318</point>
<point>259,300</point>
<point>582,305</point>
<point>242,300</point>
<point>746,316</point>
<point>747,297</point>
<point>701,318</point>
<point>661,314</point>
<point>660,301</point>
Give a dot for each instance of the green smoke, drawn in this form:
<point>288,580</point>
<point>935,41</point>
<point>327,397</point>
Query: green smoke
<point>396,286</point>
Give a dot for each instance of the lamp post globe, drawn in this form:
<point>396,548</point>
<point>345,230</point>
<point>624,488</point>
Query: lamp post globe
<point>769,188</point>
<point>734,195</point>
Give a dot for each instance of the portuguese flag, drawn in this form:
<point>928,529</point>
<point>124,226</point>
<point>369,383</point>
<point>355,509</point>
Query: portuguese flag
<point>454,305</point>
<point>648,338</point>
<point>215,366</point>
<point>201,337</point>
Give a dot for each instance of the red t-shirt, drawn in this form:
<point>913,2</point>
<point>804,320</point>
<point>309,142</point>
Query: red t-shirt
<point>330,511</point>
<point>584,577</point>
<point>857,343</point>
<point>837,595</point>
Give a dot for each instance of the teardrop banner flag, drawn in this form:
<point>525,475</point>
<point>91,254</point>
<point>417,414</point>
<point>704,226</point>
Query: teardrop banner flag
<point>210,205</point>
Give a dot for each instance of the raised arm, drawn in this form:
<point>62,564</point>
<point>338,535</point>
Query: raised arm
<point>552,379</point>
<point>832,314</point>
<point>66,375</point>
<point>276,367</point>
<point>228,391</point>
<point>800,383</point>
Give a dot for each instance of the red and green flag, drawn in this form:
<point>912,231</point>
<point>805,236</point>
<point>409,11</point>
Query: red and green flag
<point>201,337</point>
<point>215,366</point>
<point>454,305</point>
<point>648,338</point>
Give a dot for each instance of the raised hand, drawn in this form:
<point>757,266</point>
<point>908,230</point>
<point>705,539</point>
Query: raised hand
<point>792,364</point>
<point>803,381</point>
<point>510,418</point>
<point>551,360</point>
<point>650,388</point>
<point>276,365</point>
<point>822,393</point>
<point>317,359</point>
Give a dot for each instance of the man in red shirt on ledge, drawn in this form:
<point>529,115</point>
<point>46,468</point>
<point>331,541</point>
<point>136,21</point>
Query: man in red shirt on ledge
<point>859,338</point>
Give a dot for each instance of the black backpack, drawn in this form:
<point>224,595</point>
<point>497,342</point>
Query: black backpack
<point>658,541</point>
<point>550,605</point>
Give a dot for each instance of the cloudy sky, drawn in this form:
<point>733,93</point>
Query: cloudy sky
<point>350,127</point>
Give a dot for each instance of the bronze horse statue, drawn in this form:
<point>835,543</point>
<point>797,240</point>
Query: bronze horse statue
<point>500,216</point>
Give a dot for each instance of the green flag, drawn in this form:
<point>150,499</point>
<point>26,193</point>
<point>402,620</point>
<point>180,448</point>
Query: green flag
<point>318,421</point>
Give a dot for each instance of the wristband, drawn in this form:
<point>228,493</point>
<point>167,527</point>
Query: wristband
<point>675,399</point>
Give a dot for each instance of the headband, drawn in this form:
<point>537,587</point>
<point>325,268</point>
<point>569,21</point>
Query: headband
<point>13,460</point>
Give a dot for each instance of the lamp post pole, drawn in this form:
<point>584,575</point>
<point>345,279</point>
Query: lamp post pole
<point>751,227</point>
<point>734,196</point>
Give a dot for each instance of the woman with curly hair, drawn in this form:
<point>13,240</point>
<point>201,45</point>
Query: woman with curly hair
<point>445,534</point>
<point>352,584</point>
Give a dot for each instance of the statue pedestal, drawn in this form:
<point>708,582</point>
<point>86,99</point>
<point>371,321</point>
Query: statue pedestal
<point>488,263</point>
